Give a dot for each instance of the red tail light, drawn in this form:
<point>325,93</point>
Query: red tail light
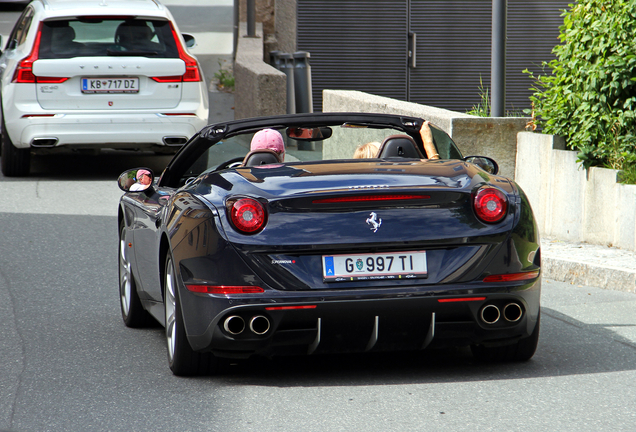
<point>461,299</point>
<point>192,73</point>
<point>490,204</point>
<point>361,198</point>
<point>275,308</point>
<point>247,215</point>
<point>50,80</point>
<point>510,277</point>
<point>221,289</point>
<point>24,71</point>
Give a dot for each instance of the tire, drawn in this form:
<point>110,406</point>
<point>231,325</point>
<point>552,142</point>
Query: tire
<point>523,350</point>
<point>15,162</point>
<point>182,359</point>
<point>132,312</point>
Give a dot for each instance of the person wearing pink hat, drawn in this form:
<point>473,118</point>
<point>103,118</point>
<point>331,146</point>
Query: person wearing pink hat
<point>144,178</point>
<point>269,139</point>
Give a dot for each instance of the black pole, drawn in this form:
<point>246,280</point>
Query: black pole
<point>251,18</point>
<point>498,58</point>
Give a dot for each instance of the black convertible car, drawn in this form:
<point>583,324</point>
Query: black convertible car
<point>238,253</point>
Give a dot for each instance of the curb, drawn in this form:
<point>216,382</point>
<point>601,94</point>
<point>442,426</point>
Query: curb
<point>580,273</point>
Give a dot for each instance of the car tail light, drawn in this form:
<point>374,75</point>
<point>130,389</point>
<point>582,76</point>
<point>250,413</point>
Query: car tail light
<point>511,277</point>
<point>24,72</point>
<point>192,73</point>
<point>461,299</point>
<point>222,289</point>
<point>362,198</point>
<point>490,204</point>
<point>50,80</point>
<point>247,215</point>
<point>276,308</point>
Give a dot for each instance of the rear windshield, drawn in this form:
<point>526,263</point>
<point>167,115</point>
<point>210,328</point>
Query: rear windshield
<point>107,37</point>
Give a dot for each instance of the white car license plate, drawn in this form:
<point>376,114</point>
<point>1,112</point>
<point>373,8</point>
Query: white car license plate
<point>110,85</point>
<point>376,266</point>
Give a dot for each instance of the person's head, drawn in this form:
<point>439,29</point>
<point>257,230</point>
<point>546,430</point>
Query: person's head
<point>367,151</point>
<point>269,139</point>
<point>143,176</point>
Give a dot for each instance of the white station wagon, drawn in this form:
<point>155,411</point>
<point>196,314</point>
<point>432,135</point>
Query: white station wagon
<point>97,74</point>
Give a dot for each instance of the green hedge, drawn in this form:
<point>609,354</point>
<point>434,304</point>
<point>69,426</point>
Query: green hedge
<point>590,95</point>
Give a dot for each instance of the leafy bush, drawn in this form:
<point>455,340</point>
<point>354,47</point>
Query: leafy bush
<point>590,96</point>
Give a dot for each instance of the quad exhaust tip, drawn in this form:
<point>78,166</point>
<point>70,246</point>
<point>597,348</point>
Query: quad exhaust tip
<point>512,312</point>
<point>235,325</point>
<point>259,325</point>
<point>490,314</point>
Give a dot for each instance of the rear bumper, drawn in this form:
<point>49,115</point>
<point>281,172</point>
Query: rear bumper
<point>347,323</point>
<point>130,130</point>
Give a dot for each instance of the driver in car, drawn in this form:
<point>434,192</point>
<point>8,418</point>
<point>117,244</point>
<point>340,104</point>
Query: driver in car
<point>269,139</point>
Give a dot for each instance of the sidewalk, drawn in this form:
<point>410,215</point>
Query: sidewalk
<point>587,264</point>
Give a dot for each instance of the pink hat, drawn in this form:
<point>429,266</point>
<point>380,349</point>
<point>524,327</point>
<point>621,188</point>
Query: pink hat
<point>142,172</point>
<point>268,139</point>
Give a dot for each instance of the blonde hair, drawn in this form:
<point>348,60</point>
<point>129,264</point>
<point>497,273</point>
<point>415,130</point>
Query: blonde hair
<point>366,151</point>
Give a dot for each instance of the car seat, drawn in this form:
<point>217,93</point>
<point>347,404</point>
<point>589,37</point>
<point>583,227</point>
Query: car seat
<point>399,146</point>
<point>261,157</point>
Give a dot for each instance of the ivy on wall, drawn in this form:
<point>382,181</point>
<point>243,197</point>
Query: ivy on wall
<point>590,96</point>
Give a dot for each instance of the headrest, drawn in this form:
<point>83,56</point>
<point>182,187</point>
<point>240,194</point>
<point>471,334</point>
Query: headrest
<point>62,34</point>
<point>261,157</point>
<point>134,31</point>
<point>399,146</point>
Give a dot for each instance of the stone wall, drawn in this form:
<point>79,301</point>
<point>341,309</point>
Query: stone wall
<point>570,202</point>
<point>260,89</point>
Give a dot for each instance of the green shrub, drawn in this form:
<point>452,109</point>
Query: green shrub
<point>590,96</point>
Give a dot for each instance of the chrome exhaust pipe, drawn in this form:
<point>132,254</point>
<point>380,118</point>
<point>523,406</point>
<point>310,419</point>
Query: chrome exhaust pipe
<point>490,314</point>
<point>44,142</point>
<point>512,312</point>
<point>174,141</point>
<point>234,325</point>
<point>259,324</point>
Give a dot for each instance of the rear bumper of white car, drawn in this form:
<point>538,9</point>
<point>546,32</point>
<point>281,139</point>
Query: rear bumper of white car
<point>122,130</point>
<point>104,130</point>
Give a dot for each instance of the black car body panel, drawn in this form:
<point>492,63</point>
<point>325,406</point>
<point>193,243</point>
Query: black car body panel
<point>320,208</point>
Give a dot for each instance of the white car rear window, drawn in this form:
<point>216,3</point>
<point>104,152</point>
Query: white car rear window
<point>90,37</point>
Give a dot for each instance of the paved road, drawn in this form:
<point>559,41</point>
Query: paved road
<point>69,364</point>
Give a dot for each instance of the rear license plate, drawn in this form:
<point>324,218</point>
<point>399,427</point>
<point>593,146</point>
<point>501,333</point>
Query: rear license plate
<point>377,266</point>
<point>110,85</point>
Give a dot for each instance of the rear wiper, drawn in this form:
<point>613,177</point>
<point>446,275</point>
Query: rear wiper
<point>131,53</point>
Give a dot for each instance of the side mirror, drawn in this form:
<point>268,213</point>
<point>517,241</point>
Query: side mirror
<point>136,180</point>
<point>484,162</point>
<point>189,40</point>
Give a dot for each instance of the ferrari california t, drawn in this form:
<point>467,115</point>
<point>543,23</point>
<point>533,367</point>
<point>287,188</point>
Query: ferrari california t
<point>241,252</point>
